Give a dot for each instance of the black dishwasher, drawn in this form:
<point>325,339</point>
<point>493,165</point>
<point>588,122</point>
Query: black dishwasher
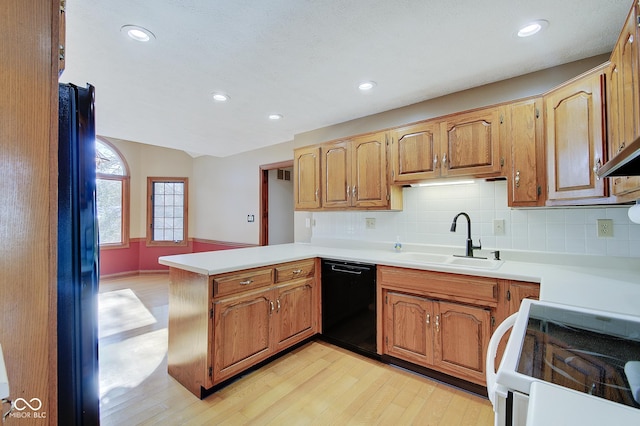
<point>349,305</point>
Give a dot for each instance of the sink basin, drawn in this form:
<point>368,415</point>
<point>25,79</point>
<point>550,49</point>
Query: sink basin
<point>424,257</point>
<point>475,262</point>
<point>444,259</point>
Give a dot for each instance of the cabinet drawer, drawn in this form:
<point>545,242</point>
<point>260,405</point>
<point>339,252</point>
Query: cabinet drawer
<point>241,281</point>
<point>441,285</point>
<point>295,270</point>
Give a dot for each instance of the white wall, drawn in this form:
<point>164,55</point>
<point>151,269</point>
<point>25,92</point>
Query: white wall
<point>280,208</point>
<point>149,160</point>
<point>429,211</point>
<point>227,189</point>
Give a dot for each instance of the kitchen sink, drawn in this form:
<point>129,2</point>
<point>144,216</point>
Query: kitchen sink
<point>424,257</point>
<point>475,262</point>
<point>443,259</point>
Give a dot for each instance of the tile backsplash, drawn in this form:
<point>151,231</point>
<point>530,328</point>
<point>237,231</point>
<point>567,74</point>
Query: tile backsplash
<point>429,211</point>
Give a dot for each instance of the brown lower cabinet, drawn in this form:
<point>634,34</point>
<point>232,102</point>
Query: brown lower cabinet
<point>252,327</point>
<point>224,324</point>
<point>444,321</point>
<point>449,337</point>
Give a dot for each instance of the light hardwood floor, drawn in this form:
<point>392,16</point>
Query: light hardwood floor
<point>317,383</point>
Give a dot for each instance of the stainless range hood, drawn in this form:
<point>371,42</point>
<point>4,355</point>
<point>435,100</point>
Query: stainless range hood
<point>626,163</point>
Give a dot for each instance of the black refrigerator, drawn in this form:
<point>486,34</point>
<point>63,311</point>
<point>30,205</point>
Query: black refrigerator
<point>78,259</point>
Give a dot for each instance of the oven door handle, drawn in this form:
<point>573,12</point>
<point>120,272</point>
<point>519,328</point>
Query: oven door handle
<point>492,350</point>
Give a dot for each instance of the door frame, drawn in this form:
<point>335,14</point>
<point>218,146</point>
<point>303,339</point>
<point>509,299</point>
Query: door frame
<point>264,197</point>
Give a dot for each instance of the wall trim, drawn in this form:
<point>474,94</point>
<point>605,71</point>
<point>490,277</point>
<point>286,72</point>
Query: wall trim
<point>222,243</point>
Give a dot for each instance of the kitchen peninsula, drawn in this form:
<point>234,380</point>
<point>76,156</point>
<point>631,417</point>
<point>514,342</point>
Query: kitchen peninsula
<point>232,309</point>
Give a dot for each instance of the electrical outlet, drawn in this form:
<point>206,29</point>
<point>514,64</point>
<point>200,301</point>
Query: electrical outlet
<point>605,228</point>
<point>370,222</point>
<point>498,226</point>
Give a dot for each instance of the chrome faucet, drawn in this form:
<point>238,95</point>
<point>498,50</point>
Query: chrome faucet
<point>470,247</point>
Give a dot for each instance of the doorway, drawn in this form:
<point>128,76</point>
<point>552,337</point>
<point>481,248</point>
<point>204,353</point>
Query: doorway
<point>276,203</point>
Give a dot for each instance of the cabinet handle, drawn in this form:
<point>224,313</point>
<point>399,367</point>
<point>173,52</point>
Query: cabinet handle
<point>348,191</point>
<point>278,303</point>
<point>437,323</point>
<point>517,179</point>
<point>444,160</point>
<point>428,318</point>
<point>296,271</point>
<point>435,161</point>
<point>247,282</point>
<point>354,191</point>
<point>271,307</point>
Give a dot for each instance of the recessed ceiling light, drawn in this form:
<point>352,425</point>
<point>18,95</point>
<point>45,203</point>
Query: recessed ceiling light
<point>137,33</point>
<point>533,28</point>
<point>367,85</point>
<point>275,116</point>
<point>220,97</point>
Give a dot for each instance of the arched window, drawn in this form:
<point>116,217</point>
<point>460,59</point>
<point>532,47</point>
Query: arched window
<point>112,192</point>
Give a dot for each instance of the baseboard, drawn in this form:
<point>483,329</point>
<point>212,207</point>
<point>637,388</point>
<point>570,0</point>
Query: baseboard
<point>132,274</point>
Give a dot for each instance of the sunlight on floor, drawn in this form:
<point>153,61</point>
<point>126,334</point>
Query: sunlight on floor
<point>131,345</point>
<point>121,310</point>
<point>128,363</point>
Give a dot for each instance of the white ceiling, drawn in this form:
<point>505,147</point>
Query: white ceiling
<point>304,58</point>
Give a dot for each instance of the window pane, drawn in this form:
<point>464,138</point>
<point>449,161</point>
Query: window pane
<point>107,161</point>
<point>109,205</point>
<point>158,188</point>
<point>168,204</point>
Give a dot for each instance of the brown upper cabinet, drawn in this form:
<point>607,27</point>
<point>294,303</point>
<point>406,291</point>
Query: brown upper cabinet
<point>369,185</point>
<point>306,181</point>
<point>352,174</point>
<point>336,174</point>
<point>524,140</point>
<point>464,144</point>
<point>575,130</point>
<point>471,143</point>
<point>623,102</point>
<point>415,152</point>
<point>549,148</point>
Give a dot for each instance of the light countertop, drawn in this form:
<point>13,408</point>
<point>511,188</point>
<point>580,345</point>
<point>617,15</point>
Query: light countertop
<point>606,283</point>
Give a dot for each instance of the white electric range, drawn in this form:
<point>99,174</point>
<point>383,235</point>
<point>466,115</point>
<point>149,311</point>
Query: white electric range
<point>559,355</point>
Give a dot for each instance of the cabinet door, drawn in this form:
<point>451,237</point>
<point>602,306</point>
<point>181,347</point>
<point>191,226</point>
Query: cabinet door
<point>336,189</point>
<point>624,98</point>
<point>369,186</point>
<point>514,293</point>
<point>242,335</point>
<point>518,291</point>
<point>630,94</point>
<point>526,142</point>
<point>408,328</point>
<point>574,128</point>
<point>306,172</point>
<point>414,152</point>
<point>471,143</point>
<point>461,337</point>
<point>293,319</point>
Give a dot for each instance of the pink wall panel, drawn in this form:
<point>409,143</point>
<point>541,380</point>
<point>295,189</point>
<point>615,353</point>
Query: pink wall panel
<point>140,258</point>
